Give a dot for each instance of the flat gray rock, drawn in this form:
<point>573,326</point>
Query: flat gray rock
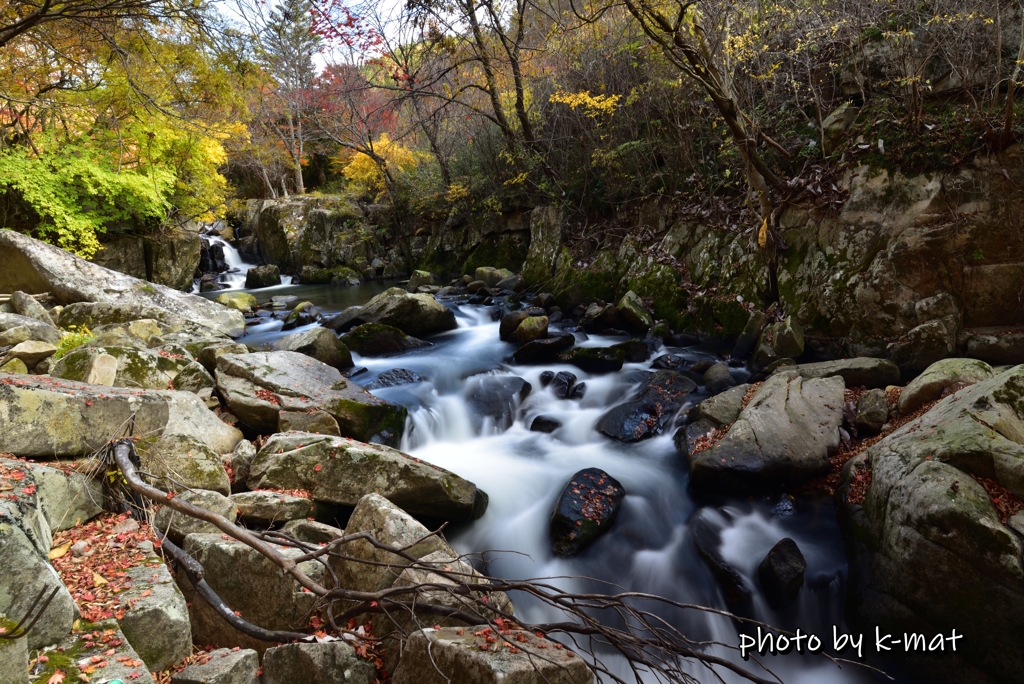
<point>223,666</point>
<point>857,372</point>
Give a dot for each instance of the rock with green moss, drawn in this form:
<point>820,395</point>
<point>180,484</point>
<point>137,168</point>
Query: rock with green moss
<point>320,344</point>
<point>337,275</point>
<point>262,276</point>
<point>545,243</point>
<point>155,622</point>
<point>573,285</point>
<point>33,266</point>
<point>921,532</point>
<point>945,376</point>
<point>505,251</point>
<point>208,353</point>
<point>257,387</point>
<point>193,378</point>
<point>240,301</point>
<point>14,367</point>
<point>136,368</point>
<point>634,311</point>
<point>78,653</point>
<point>419,278</point>
<point>491,276</point>
<point>413,314</point>
<point>48,417</point>
<point>177,461</point>
<point>378,339</point>
<point>342,471</point>
<point>595,359</point>
<point>531,328</point>
<point>781,340</point>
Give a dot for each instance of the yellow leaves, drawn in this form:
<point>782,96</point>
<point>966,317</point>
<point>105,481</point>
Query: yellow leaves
<point>762,235</point>
<point>60,551</point>
<point>593,105</point>
<point>517,180</point>
<point>366,173</point>
<point>456,193</point>
<point>98,580</point>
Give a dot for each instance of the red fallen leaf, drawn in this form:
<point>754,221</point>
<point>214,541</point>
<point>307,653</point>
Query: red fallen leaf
<point>31,489</point>
<point>317,468</point>
<point>170,495</point>
<point>146,593</point>
<point>56,678</point>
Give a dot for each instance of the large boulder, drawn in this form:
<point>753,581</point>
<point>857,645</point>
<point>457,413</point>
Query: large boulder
<point>652,407</point>
<point>544,350</point>
<point>33,267</point>
<point>262,276</point>
<point>378,339</point>
<point>177,526</point>
<point>65,498</point>
<point>450,654</point>
<point>586,509</point>
<point>25,539</point>
<point>857,372</point>
<point>633,310</point>
<point>413,314</point>
<point>783,438</point>
<point>332,662</point>
<point>239,301</point>
<point>929,552</point>
<point>45,417</point>
<point>136,368</point>
<point>173,255</point>
<point>343,471</point>
<point>177,461</point>
<point>319,343</point>
<point>266,508</point>
<point>941,377</point>
<point>782,340</point>
<point>156,620</point>
<point>781,573</point>
<point>223,666</point>
<point>595,359</point>
<point>249,583</point>
<point>257,387</point>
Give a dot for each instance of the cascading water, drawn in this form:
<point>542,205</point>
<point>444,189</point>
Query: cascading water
<point>650,547</point>
<point>231,268</point>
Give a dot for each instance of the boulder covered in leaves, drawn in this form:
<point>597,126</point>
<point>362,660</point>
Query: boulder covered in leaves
<point>652,407</point>
<point>586,509</point>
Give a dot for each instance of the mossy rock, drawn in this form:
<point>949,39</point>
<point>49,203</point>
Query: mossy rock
<point>660,284</point>
<point>506,250</point>
<point>240,301</point>
<point>313,275</point>
<point>600,280</point>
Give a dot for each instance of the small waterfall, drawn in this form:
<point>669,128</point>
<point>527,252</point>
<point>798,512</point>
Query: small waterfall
<point>221,259</point>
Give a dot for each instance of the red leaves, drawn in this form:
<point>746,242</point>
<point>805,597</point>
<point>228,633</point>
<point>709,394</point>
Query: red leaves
<point>859,486</point>
<point>56,678</point>
<point>268,396</point>
<point>1003,499</point>
<point>31,489</point>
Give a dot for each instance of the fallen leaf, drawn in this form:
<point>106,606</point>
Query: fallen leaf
<point>98,580</point>
<point>60,551</point>
<point>56,678</point>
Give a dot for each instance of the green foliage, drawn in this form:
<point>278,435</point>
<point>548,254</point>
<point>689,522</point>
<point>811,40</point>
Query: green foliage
<point>71,339</point>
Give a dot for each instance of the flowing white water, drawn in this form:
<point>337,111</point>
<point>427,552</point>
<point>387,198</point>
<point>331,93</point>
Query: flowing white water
<point>233,278</point>
<point>650,547</point>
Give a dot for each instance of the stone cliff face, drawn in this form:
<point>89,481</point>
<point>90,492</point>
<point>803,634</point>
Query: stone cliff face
<point>904,262</point>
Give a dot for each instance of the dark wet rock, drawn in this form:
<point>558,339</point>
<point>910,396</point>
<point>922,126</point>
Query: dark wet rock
<point>655,404</point>
<point>543,351</point>
<point>718,378</point>
<point>394,378</point>
<point>555,317</point>
<point>578,391</point>
<point>600,317</point>
<point>782,340</point>
<point>783,438</point>
<point>304,313</point>
<point>857,372</point>
<point>545,300</point>
<point>872,412</point>
<point>495,398</point>
<point>700,367</point>
<point>346,320</point>
<point>319,343</point>
<point>585,510</point>
<point>514,283</point>
<point>378,339</point>
<point>595,359</point>
<point>634,312</point>
<point>561,384</point>
<point>636,351</point>
<point>546,377</point>
<point>258,386</point>
<point>781,574</point>
<point>784,507</point>
<point>706,539</point>
<point>476,287</point>
<point>682,340</point>
<point>926,344</point>
<point>262,276</point>
<point>672,362</point>
<point>544,424</point>
<point>997,348</point>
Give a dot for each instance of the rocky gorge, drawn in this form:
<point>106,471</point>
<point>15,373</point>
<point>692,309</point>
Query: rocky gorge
<point>830,440</point>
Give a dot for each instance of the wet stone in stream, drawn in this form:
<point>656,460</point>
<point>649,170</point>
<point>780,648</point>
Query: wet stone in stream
<point>586,509</point>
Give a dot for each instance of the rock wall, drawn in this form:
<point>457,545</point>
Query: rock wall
<point>168,258</point>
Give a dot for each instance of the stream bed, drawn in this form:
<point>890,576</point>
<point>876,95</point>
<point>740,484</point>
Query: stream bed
<point>650,547</point>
